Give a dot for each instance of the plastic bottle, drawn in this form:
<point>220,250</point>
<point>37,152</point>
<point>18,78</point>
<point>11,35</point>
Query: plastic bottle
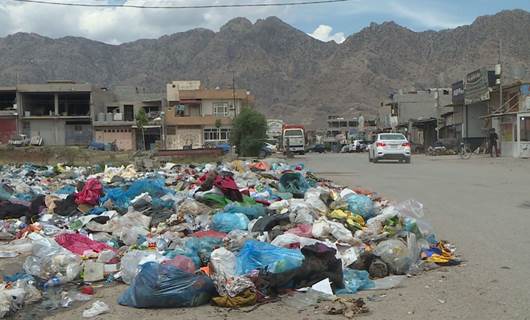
<point>54,282</point>
<point>151,241</point>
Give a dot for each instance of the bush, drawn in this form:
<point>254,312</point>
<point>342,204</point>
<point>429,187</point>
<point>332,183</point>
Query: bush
<point>249,132</point>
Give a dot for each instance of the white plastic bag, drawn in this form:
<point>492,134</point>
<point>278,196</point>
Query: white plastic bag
<point>223,261</point>
<point>97,308</point>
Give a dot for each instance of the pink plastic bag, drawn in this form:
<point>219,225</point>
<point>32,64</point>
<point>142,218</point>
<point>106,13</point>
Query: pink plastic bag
<point>90,194</point>
<point>302,230</point>
<point>78,243</point>
<point>181,262</point>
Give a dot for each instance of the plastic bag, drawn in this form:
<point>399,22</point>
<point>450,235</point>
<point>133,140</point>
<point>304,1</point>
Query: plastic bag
<point>78,243</point>
<point>226,222</point>
<point>322,228</point>
<point>301,212</point>
<point>293,182</point>
<point>90,194</point>
<point>97,308</point>
<point>49,259</point>
<point>132,260</point>
<point>235,239</point>
<point>355,280</point>
<point>261,255</point>
<point>164,286</point>
<point>395,254</point>
<point>361,205</point>
<point>279,205</point>
<point>223,261</point>
<point>410,208</point>
<point>251,211</point>
<point>182,263</point>
<point>289,240</point>
<point>193,208</point>
<point>312,197</point>
<point>302,230</point>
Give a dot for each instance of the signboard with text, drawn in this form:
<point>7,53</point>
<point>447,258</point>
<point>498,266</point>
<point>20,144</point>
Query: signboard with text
<point>477,86</point>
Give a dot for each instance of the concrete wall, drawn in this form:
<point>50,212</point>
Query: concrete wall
<point>473,124</point>
<point>421,105</point>
<point>78,134</point>
<point>124,136</point>
<point>52,131</point>
<point>185,136</point>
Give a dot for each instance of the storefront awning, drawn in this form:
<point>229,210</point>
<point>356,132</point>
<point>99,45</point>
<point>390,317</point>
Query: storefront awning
<point>495,115</point>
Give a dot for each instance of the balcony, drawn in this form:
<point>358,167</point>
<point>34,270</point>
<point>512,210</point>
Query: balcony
<point>198,121</point>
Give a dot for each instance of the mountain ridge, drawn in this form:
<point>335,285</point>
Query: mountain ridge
<point>293,75</point>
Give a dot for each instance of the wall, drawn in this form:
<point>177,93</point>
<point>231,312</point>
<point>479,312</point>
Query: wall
<point>124,136</point>
<point>75,137</point>
<point>51,131</point>
<point>421,105</point>
<point>185,136</point>
<point>8,128</point>
<point>207,107</point>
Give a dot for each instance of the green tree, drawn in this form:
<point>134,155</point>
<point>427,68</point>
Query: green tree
<point>141,122</point>
<point>249,131</point>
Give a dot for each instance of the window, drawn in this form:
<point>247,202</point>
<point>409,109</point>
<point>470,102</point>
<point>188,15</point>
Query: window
<point>113,109</point>
<point>525,128</point>
<point>179,110</point>
<point>220,109</point>
<point>215,134</point>
<point>171,130</point>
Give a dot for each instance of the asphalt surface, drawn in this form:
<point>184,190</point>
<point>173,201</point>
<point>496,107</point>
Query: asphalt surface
<point>482,205</point>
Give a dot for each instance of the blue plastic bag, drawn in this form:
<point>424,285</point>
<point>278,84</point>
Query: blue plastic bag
<point>262,255</point>
<point>117,196</point>
<point>67,189</point>
<point>295,183</point>
<point>165,286</point>
<point>197,249</point>
<point>251,211</point>
<point>355,280</point>
<point>361,205</point>
<point>154,187</point>
<point>227,221</point>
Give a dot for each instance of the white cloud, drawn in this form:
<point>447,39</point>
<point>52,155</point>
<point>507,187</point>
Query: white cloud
<point>117,25</point>
<point>324,33</point>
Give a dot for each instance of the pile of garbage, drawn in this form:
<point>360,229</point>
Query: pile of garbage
<point>231,234</point>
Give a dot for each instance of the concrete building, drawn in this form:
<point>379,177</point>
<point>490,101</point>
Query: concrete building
<point>418,112</point>
<point>511,120</point>
<point>477,88</point>
<point>197,117</point>
<point>115,118</point>
<point>8,113</point>
<point>59,111</point>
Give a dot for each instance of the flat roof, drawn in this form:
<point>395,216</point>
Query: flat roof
<point>54,87</point>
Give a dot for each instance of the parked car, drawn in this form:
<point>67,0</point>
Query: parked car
<point>320,148</point>
<point>389,146</point>
<point>272,147</point>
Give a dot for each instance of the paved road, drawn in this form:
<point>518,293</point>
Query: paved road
<point>482,205</point>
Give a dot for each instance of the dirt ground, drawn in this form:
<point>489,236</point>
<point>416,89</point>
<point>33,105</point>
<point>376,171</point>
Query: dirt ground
<point>482,205</point>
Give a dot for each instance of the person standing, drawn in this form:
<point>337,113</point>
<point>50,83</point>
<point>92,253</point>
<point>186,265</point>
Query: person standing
<point>493,142</point>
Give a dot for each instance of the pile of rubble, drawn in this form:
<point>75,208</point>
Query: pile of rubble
<point>231,234</point>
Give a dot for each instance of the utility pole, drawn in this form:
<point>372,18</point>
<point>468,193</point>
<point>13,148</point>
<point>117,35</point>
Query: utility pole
<point>234,90</point>
<point>500,74</point>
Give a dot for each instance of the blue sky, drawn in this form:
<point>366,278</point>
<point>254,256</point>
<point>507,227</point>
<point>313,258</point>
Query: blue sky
<point>325,22</point>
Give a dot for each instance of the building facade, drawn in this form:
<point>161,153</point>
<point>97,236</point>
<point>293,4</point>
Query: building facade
<point>196,117</point>
<point>60,112</point>
<point>115,118</point>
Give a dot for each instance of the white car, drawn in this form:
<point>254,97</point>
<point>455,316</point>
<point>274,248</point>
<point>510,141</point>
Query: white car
<point>389,146</point>
<point>272,147</point>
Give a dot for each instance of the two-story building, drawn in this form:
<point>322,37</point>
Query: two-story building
<point>58,111</point>
<point>197,117</point>
<point>115,118</point>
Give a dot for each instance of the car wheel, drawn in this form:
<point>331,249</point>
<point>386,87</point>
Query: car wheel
<point>375,160</point>
<point>407,160</point>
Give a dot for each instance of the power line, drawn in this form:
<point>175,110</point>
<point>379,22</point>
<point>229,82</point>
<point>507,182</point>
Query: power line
<point>109,5</point>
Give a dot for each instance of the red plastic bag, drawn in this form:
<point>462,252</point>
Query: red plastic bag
<point>181,262</point>
<point>90,194</point>
<point>78,243</point>
<point>302,230</point>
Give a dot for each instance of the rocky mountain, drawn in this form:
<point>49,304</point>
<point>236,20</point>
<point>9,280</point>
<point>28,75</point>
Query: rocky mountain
<point>293,76</point>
